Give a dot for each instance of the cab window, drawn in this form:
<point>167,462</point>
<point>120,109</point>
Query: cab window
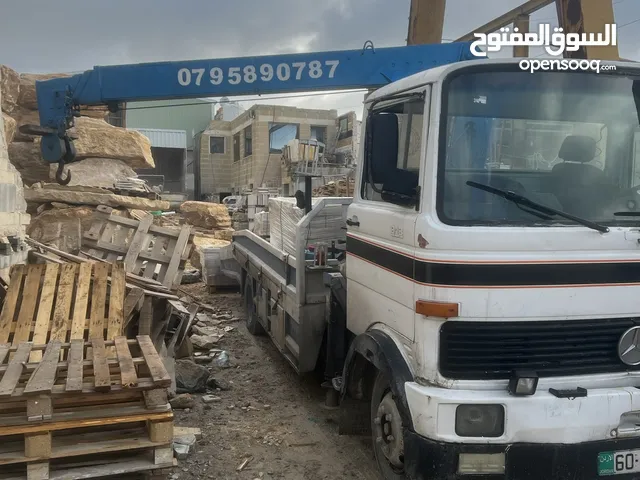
<point>393,141</point>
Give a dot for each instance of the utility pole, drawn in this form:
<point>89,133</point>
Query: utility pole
<point>521,22</point>
<point>426,21</point>
<point>587,16</point>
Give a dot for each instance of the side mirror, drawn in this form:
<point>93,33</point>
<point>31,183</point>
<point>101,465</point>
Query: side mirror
<point>393,184</point>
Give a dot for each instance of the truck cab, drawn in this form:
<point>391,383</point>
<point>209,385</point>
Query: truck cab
<point>486,321</point>
<point>493,273</point>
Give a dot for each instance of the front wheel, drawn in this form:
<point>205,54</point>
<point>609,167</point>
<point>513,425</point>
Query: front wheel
<point>252,322</point>
<point>387,430</point>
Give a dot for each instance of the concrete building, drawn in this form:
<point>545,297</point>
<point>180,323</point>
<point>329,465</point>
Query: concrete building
<point>246,153</point>
<point>348,140</point>
<point>163,121</point>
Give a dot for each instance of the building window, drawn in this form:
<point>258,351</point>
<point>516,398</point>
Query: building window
<point>248,146</point>
<point>236,147</point>
<point>216,144</point>
<point>343,127</point>
<point>280,134</point>
<point>319,134</point>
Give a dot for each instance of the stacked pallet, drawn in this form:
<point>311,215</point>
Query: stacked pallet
<point>77,399</point>
<point>154,259</point>
<point>83,409</point>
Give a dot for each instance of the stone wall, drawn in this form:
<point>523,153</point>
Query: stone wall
<point>13,216</point>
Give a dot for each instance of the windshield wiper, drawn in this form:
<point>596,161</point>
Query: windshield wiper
<point>525,202</point>
<point>627,214</point>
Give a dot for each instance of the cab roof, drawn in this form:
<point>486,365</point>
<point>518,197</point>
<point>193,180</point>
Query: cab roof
<point>436,75</point>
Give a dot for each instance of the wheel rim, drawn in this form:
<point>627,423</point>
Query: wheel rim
<point>389,432</point>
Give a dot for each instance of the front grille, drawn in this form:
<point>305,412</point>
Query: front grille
<point>492,350</point>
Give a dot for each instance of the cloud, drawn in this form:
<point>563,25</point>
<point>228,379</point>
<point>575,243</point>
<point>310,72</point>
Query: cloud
<point>75,35</point>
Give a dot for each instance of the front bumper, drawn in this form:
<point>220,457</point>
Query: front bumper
<point>430,460</point>
<point>539,418</point>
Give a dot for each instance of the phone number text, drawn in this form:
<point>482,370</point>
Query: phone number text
<point>265,72</point>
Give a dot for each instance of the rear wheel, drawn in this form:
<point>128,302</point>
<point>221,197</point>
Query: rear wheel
<point>253,325</point>
<point>387,430</point>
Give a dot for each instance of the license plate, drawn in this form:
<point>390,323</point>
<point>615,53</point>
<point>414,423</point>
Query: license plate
<point>618,463</point>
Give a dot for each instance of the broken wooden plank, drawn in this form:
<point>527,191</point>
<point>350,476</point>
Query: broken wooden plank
<point>14,371</point>
<point>44,377</point>
<point>154,362</point>
<point>61,253</point>
<point>45,257</point>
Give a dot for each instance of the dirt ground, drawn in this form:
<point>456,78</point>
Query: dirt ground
<point>269,415</point>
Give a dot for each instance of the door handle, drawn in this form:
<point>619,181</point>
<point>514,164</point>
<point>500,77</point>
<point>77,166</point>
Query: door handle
<point>353,223</point>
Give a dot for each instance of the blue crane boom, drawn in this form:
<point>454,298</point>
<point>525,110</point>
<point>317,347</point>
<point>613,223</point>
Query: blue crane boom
<point>59,99</point>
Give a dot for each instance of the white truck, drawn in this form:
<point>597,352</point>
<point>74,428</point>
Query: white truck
<point>488,325</point>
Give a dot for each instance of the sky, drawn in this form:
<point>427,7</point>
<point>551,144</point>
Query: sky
<point>41,36</point>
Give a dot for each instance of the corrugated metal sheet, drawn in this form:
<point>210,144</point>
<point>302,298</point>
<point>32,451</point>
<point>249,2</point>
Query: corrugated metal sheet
<point>164,138</point>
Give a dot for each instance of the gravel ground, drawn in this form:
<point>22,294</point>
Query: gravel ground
<point>270,420</point>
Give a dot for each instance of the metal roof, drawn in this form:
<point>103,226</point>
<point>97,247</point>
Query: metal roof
<point>164,138</point>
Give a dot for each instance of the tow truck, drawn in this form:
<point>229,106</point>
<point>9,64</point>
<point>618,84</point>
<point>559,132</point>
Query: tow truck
<point>486,323</point>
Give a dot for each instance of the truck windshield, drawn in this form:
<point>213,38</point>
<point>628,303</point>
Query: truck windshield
<point>569,141</point>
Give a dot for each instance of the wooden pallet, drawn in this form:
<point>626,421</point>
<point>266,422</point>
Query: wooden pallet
<point>105,397</point>
<point>81,454</point>
<point>146,249</point>
<point>62,302</point>
<point>78,374</point>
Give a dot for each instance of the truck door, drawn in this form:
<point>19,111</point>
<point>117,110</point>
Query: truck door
<point>381,221</point>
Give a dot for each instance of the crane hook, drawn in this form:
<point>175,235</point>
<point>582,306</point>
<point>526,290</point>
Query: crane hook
<point>59,178</point>
<point>68,157</point>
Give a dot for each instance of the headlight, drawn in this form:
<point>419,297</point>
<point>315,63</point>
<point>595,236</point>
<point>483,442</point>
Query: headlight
<point>479,420</point>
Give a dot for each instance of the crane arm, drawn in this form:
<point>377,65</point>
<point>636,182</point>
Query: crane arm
<point>59,99</point>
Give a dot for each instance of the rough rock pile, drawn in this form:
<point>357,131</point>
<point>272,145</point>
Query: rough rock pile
<point>13,216</point>
<point>212,224</point>
<point>105,154</point>
<point>210,216</point>
<point>338,188</point>
<point>96,139</point>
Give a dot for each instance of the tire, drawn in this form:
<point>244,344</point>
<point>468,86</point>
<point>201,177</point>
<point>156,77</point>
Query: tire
<point>385,423</point>
<point>253,324</point>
